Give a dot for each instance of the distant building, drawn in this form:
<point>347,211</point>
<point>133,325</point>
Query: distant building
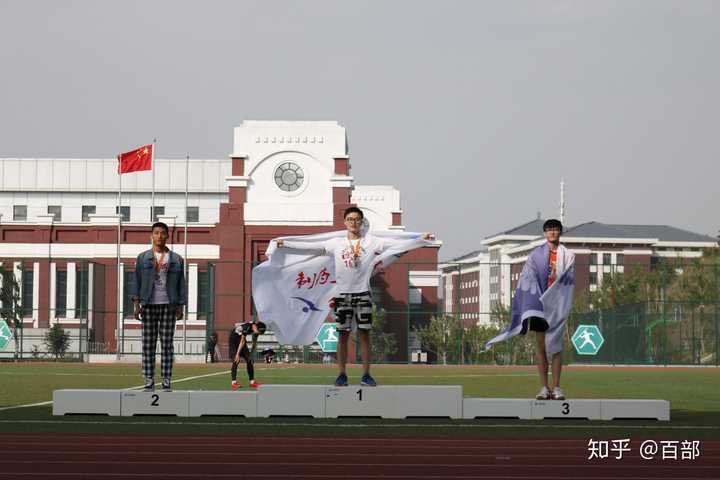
<point>59,222</point>
<point>475,283</point>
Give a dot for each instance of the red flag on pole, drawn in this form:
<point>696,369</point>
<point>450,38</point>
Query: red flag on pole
<point>136,160</point>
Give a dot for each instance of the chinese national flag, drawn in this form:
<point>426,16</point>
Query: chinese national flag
<point>136,161</point>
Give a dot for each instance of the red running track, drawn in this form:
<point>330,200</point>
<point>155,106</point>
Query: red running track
<point>84,456</point>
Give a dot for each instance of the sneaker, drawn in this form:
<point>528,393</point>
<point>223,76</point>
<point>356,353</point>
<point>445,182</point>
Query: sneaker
<point>254,384</point>
<point>341,380</point>
<point>558,394</point>
<point>166,385</point>
<point>368,381</point>
<point>235,385</point>
<point>543,394</point>
<point>149,385</point>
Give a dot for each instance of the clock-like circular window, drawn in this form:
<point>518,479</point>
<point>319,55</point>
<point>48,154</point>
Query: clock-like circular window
<point>289,176</point>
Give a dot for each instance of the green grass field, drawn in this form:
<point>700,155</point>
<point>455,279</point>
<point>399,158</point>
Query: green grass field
<point>694,395</point>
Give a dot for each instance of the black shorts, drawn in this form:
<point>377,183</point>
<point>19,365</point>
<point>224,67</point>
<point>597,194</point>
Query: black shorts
<point>353,309</point>
<point>234,343</point>
<point>537,324</point>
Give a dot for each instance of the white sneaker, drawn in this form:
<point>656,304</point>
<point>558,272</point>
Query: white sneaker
<point>543,394</point>
<point>558,394</point>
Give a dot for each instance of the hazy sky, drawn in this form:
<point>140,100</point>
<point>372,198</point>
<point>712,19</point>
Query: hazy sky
<point>473,109</point>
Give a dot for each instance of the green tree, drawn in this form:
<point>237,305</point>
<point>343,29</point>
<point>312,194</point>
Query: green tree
<point>11,308</point>
<point>57,341</point>
<point>383,344</point>
<point>518,350</point>
<point>443,337</point>
<point>475,338</point>
<point>697,287</point>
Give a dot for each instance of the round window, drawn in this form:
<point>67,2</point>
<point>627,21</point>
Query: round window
<point>289,176</point>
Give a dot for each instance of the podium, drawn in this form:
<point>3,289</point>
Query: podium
<point>321,401</point>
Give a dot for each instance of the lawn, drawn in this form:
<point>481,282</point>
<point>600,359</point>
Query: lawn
<point>694,394</point>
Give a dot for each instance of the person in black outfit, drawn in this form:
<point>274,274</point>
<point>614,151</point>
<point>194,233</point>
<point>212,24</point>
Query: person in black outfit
<point>238,343</point>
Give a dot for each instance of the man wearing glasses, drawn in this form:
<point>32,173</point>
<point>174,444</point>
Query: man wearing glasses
<point>541,303</point>
<point>354,266</point>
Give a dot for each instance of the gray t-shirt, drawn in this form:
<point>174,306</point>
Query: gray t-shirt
<point>160,296</point>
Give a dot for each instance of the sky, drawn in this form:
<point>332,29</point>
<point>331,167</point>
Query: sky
<point>475,110</point>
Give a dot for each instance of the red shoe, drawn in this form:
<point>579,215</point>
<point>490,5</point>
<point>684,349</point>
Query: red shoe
<point>235,385</point>
<point>254,384</point>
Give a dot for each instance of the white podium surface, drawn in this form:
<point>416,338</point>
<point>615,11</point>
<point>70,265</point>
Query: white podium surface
<point>89,402</point>
<point>497,408</point>
<point>322,401</point>
<point>208,402</point>
<point>291,400</point>
<point>134,402</point>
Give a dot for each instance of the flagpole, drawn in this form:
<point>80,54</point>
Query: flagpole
<point>119,277</point>
<point>187,266</point>
<point>152,198</point>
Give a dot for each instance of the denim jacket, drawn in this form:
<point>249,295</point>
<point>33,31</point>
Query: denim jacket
<point>145,278</point>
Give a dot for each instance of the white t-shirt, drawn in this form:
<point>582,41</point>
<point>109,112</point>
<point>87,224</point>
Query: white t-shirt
<point>160,296</point>
<point>352,274</point>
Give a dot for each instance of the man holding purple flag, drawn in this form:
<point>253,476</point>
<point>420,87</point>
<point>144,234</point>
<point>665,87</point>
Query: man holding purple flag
<point>541,303</point>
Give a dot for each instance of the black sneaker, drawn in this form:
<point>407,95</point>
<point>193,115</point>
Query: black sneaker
<point>342,380</point>
<point>149,385</point>
<point>368,381</point>
<point>166,385</point>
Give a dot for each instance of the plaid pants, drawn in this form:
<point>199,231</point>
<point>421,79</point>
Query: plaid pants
<point>157,319</point>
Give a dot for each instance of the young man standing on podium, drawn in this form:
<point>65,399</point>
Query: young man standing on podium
<point>354,258</point>
<point>541,303</point>
<point>159,294</point>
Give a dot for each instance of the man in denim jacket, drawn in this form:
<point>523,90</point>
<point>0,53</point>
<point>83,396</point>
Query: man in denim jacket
<point>158,297</point>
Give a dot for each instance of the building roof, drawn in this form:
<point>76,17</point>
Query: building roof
<point>663,233</point>
<point>472,254</point>
<point>531,228</point>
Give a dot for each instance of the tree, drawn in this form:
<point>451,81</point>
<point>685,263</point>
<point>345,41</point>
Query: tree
<point>57,341</point>
<point>442,336</point>
<point>11,310</point>
<point>698,288</point>
<point>383,344</point>
<point>518,350</point>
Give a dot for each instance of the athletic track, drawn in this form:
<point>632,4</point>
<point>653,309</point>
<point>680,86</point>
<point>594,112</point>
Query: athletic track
<point>84,456</point>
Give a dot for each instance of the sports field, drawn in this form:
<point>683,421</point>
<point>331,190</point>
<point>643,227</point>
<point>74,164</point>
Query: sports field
<point>37,445</point>
<point>694,394</point>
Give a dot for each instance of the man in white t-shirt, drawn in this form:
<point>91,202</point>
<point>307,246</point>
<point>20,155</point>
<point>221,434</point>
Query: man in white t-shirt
<point>354,267</point>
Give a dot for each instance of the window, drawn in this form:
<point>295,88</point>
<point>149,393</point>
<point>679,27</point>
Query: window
<point>156,212</point>
<point>593,278</point>
<point>81,293</point>
<point>192,214</point>
<point>620,259</point>
<point>593,259</point>
<point>128,282</point>
<point>20,213</point>
<point>125,213</point>
<point>87,210</point>
<point>415,296</point>
<point>607,258</point>
<point>203,304</point>
<point>56,211</point>
<point>26,302</point>
<point>60,294</point>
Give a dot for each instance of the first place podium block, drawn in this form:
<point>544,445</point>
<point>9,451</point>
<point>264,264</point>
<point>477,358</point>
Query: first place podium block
<point>291,400</point>
<point>208,402</point>
<point>394,401</point>
<point>154,403</point>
